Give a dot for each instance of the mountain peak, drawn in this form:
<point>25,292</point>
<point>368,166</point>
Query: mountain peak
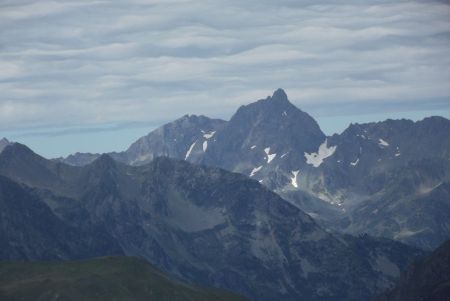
<point>435,119</point>
<point>17,149</point>
<point>192,118</point>
<point>274,125</point>
<point>188,116</point>
<point>104,162</point>
<point>279,94</point>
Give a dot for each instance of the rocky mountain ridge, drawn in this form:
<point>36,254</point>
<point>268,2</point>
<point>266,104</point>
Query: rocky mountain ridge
<point>342,181</point>
<point>201,224</point>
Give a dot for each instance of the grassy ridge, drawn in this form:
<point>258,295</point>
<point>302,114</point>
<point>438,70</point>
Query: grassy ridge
<point>106,278</point>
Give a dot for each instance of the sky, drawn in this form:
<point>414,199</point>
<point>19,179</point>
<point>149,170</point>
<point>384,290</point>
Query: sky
<point>93,76</point>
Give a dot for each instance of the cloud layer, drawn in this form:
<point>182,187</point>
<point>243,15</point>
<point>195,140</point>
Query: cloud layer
<point>78,63</point>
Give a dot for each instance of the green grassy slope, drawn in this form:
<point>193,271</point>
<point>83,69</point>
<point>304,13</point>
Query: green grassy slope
<point>106,278</point>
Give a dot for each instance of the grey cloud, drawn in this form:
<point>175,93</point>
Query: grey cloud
<point>58,131</point>
<point>72,63</point>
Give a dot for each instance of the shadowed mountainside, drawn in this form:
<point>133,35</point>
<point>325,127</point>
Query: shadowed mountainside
<point>201,224</point>
<point>425,280</point>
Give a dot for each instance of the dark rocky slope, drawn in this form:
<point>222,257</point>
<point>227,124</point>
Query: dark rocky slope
<point>209,226</point>
<point>425,280</point>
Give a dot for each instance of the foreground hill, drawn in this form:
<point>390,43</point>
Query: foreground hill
<point>108,279</point>
<point>202,224</point>
<point>425,280</point>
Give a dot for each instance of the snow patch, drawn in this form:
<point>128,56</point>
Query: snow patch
<point>284,113</point>
<point>209,135</point>
<point>270,157</point>
<point>255,170</point>
<point>142,158</point>
<point>355,162</point>
<point>313,215</point>
<point>316,159</point>
<point>284,155</point>
<point>424,189</point>
<point>253,147</point>
<point>294,178</point>
<point>190,150</point>
<point>205,145</point>
<point>407,233</point>
<point>382,143</point>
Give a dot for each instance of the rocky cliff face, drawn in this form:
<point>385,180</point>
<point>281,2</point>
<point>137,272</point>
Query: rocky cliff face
<point>186,138</point>
<point>391,178</point>
<point>426,280</point>
<point>266,140</point>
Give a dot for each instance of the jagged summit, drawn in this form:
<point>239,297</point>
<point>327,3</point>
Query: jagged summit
<point>259,136</point>
<point>277,105</point>
<point>278,102</point>
<point>193,117</point>
<point>279,94</point>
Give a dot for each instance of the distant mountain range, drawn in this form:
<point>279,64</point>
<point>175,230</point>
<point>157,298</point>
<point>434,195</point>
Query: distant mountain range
<point>200,224</point>
<point>389,179</point>
<point>99,279</point>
